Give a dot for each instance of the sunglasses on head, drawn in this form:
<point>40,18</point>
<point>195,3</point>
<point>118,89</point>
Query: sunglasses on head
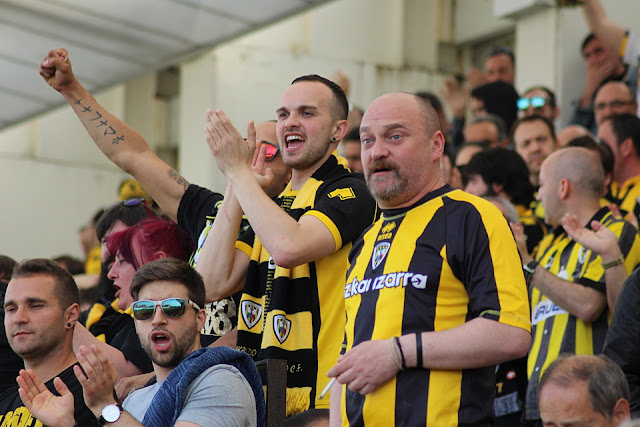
<point>535,102</point>
<point>171,307</point>
<point>132,202</point>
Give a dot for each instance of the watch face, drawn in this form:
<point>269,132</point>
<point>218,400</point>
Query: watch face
<point>111,413</point>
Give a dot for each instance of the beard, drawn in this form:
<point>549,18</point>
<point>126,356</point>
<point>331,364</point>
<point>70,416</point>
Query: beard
<point>390,193</point>
<point>180,348</point>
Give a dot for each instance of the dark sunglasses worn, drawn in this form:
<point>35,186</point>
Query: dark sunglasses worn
<point>171,307</point>
<point>535,102</point>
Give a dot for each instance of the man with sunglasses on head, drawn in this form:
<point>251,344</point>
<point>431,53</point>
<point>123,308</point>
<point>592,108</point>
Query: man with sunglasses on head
<point>191,206</point>
<point>539,100</point>
<point>292,261</point>
<point>195,386</point>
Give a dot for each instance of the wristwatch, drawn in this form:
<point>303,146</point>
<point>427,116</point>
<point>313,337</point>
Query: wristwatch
<point>110,414</point>
<point>529,269</point>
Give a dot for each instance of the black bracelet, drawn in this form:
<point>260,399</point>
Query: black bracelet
<point>404,362</point>
<point>419,350</point>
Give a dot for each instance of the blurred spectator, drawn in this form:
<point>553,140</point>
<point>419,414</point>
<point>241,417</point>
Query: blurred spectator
<point>499,66</point>
<point>488,130</point>
<point>351,149</point>
<point>603,65</point>
<point>497,98</point>
<point>435,102</point>
<point>614,98</point>
<point>91,244</point>
<point>534,138</point>
<point>570,132</point>
<point>6,268</point>
<point>72,264</point>
<point>583,390</point>
<point>539,100</point>
<point>355,113</point>
<point>622,133</point>
<point>503,173</point>
<point>458,177</point>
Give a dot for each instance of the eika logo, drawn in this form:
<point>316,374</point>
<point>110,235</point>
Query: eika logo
<point>271,265</point>
<point>379,252</point>
<point>389,280</point>
<point>251,313</point>
<point>281,327</point>
<point>342,194</point>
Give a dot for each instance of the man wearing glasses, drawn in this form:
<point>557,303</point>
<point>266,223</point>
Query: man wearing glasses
<point>539,101</point>
<point>195,386</point>
<point>192,207</point>
<point>613,98</point>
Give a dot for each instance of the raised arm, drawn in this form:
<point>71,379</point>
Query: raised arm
<point>606,30</point>
<point>119,142</point>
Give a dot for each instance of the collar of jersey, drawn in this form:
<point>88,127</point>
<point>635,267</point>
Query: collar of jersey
<point>391,214</point>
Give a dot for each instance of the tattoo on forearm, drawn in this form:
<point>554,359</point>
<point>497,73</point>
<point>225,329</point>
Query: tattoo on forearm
<point>109,130</point>
<point>179,179</point>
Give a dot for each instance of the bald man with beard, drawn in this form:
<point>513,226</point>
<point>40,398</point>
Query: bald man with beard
<point>572,289</point>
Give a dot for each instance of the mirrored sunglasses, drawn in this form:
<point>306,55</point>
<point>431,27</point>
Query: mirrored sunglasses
<point>535,102</point>
<point>272,150</point>
<point>171,307</point>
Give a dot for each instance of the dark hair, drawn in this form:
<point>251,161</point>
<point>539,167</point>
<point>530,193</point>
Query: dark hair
<point>502,50</point>
<point>626,126</point>
<point>603,150</point>
<point>152,234</point>
<point>431,98</point>
<point>587,39</point>
<point>501,127</point>
<point>71,264</point>
<point>605,380</point>
<point>530,119</point>
<point>505,168</point>
<point>128,215</point>
<point>170,270</point>
<point>352,135</point>
<point>549,92</point>
<point>340,108</point>
<point>307,418</point>
<point>6,267</point>
<point>499,98</point>
<point>66,290</point>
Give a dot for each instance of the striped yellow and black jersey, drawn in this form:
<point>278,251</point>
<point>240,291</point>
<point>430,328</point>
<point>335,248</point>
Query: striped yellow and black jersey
<point>626,196</point>
<point>555,330</point>
<point>433,266</point>
<point>534,228</point>
<point>298,314</point>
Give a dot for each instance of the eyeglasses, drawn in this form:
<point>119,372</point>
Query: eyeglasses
<point>171,307</point>
<point>535,102</point>
<point>272,150</point>
<point>132,202</point>
<point>613,104</point>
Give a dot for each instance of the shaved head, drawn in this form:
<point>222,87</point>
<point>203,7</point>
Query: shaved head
<point>582,167</point>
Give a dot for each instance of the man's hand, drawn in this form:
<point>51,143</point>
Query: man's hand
<point>455,98</point>
<point>601,240</point>
<point>98,378</point>
<point>366,366</point>
<point>476,78</point>
<point>229,149</point>
<point>521,241</point>
<point>126,385</point>
<point>55,69</point>
<point>51,410</point>
<point>263,174</point>
<point>596,74</point>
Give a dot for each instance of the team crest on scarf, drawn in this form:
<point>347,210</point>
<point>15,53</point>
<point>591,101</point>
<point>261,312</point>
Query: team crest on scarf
<point>281,327</point>
<point>379,252</point>
<point>251,313</point>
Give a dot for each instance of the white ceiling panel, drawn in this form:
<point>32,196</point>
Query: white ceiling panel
<point>116,40</point>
